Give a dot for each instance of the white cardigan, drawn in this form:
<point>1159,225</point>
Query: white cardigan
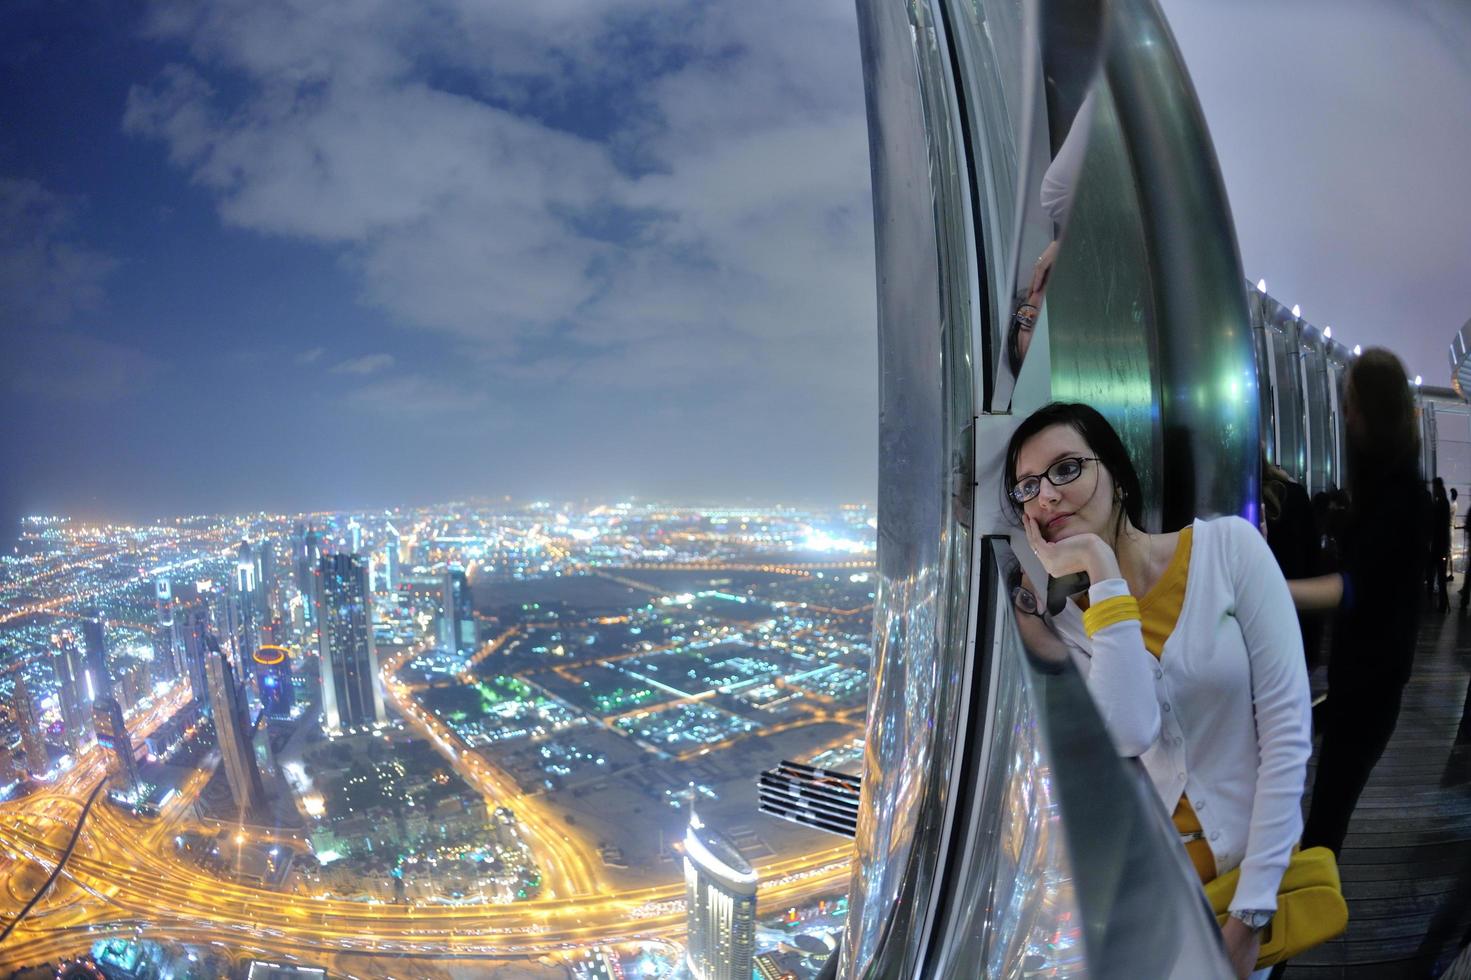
<point>1224,715</point>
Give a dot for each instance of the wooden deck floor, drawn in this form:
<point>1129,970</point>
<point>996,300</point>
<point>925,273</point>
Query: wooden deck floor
<point>1406,864</point>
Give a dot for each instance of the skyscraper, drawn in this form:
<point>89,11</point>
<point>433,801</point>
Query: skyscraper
<point>112,735</point>
<point>354,537</point>
<point>301,569</point>
<point>241,607</point>
<point>193,625</point>
<point>352,692</point>
<point>391,546</point>
<point>232,732</point>
<point>167,637</point>
<point>250,577</point>
<point>31,740</point>
<point>67,666</point>
<point>312,550</point>
<point>94,639</point>
<point>720,902</point>
<point>265,565</point>
<point>272,668</point>
<point>457,622</point>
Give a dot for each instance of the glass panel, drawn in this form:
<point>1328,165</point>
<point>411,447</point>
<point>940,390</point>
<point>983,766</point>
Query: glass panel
<point>1282,330</point>
<point>1265,387</point>
<point>1315,392</point>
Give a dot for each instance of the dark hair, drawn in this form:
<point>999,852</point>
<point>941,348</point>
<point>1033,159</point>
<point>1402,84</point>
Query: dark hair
<point>1437,487</point>
<point>1101,439</point>
<point>1384,433</point>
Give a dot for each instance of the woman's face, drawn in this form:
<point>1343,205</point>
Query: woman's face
<point>1082,506</point>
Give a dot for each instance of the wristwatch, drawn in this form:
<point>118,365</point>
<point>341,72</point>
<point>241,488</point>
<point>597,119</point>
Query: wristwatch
<point>1253,919</point>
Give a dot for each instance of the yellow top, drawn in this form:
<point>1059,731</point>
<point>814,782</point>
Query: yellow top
<point>1158,612</point>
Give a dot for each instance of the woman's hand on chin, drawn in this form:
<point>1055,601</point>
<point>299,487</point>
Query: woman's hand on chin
<point>1085,552</point>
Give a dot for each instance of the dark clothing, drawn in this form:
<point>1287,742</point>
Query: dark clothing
<point>1440,549</point>
<point>1374,631</point>
<point>1295,542</point>
<point>1354,737</point>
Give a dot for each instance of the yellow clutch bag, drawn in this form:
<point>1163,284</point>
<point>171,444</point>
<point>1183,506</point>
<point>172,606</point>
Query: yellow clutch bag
<point>1310,906</point>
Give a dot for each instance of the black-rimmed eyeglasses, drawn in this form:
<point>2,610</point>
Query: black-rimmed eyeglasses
<point>1059,474</point>
<point>1022,598</point>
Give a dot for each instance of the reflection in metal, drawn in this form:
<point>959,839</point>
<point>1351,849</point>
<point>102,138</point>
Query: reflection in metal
<point>1011,908</point>
<point>1203,356</point>
<point>817,798</point>
<point>989,62</point>
<point>1101,305</point>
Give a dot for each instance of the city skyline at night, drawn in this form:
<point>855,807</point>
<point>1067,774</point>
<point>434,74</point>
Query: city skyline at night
<point>512,736</point>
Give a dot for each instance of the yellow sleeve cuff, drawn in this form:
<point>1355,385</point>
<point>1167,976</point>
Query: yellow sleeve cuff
<point>1103,614</point>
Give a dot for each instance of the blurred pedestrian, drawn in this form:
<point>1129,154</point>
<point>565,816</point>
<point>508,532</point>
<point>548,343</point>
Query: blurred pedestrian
<point>1375,596</point>
<point>1292,534</point>
<point>1440,542</point>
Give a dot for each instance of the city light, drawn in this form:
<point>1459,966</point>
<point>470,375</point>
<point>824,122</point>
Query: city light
<point>510,797</point>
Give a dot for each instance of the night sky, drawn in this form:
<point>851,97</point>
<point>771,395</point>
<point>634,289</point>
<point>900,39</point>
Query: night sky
<point>313,254</point>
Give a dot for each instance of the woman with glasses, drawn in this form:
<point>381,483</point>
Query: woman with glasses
<point>1190,647</point>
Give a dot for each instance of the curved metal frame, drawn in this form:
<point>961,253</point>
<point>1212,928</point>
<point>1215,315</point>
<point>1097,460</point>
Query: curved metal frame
<point>926,406</point>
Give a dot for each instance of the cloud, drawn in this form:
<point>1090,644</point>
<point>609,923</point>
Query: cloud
<point>365,365</point>
<point>311,355</point>
<point>47,277</point>
<point>63,365</point>
<point>607,193</point>
<point>414,396</point>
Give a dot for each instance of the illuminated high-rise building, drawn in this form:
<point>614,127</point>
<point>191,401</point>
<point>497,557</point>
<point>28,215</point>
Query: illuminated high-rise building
<point>234,619</point>
<point>457,619</point>
<point>31,740</point>
<point>192,623</point>
<point>391,558</point>
<point>354,537</point>
<point>112,735</point>
<point>720,903</point>
<point>272,668</point>
<point>233,733</point>
<point>352,692</point>
<point>163,595</point>
<point>167,637</point>
<point>303,571</point>
<point>265,576</point>
<point>94,641</point>
<point>71,693</point>
<point>312,550</point>
<point>250,577</point>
